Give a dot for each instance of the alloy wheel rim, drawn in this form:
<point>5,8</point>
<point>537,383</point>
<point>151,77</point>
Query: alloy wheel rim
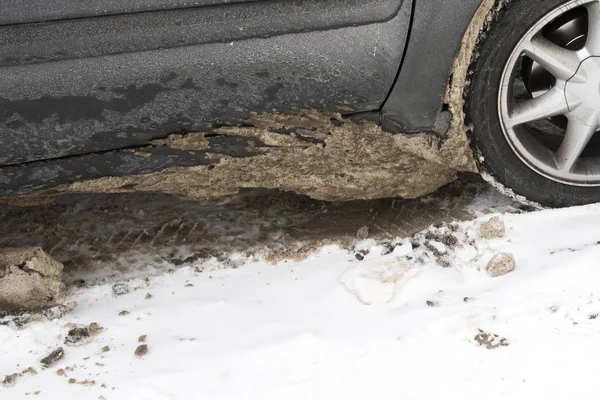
<point>565,152</point>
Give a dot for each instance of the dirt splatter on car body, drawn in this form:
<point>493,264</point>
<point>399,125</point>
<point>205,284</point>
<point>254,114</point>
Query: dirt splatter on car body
<point>306,153</point>
<point>320,155</point>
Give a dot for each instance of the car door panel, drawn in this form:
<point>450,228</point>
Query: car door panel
<point>81,38</point>
<point>25,11</point>
<point>97,84</point>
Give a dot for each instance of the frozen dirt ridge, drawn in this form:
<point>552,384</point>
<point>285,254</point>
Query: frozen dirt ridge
<point>108,237</point>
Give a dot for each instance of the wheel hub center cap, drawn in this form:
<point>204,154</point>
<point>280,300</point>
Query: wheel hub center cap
<point>582,92</point>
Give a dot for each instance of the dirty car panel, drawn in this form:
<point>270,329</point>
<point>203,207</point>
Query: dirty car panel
<point>96,84</point>
<point>94,97</point>
<point>23,11</point>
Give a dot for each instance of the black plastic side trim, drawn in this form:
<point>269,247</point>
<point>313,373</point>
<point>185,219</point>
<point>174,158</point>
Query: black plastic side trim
<point>416,100</point>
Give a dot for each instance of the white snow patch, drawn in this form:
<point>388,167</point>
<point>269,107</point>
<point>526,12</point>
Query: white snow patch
<point>374,281</point>
<point>293,331</point>
<point>403,249</point>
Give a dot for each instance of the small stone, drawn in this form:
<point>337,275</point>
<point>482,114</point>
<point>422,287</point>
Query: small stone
<point>468,299</point>
<point>120,289</point>
<point>431,303</point>
<point>148,296</point>
<point>123,313</point>
<point>141,350</point>
<point>592,316</point>
<point>501,264</point>
<point>363,232</point>
<point>189,285</point>
<point>492,229</point>
<point>105,349</point>
<point>142,339</point>
<point>359,256</point>
<point>72,381</point>
<point>60,372</point>
<point>52,358</point>
<point>9,380</point>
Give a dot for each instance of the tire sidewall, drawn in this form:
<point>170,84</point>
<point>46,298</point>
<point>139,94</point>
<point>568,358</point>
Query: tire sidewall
<point>498,158</point>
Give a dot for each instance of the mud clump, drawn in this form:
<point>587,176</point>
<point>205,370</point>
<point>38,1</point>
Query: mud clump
<point>29,280</point>
<point>81,335</point>
<point>141,350</point>
<point>52,358</point>
<point>456,148</point>
<point>119,289</point>
<point>490,341</point>
<point>492,229</point>
<point>10,380</point>
<point>78,337</point>
<point>86,382</point>
<point>501,264</point>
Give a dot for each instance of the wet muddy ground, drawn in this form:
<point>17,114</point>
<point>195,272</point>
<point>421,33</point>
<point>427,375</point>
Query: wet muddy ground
<point>100,237</point>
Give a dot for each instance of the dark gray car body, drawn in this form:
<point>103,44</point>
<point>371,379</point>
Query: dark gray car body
<point>83,79</point>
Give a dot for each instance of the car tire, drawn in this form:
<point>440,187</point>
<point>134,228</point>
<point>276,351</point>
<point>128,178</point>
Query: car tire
<point>497,157</point>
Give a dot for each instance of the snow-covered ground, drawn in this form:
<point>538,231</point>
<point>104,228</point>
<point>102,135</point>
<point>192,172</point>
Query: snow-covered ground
<point>295,331</point>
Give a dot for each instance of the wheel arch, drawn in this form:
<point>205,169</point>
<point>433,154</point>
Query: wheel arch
<point>417,101</point>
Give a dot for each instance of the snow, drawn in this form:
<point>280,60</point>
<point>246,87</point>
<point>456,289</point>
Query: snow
<point>293,330</point>
<point>374,281</point>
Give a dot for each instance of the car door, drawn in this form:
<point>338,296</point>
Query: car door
<point>88,76</point>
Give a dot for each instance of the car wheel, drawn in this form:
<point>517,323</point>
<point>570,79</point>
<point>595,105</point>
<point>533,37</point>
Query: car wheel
<point>534,100</point>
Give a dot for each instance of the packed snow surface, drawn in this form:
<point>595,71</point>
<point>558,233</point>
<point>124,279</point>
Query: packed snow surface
<point>446,329</point>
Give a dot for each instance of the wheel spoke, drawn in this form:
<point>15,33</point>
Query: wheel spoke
<point>593,39</point>
<point>576,139</point>
<point>550,104</point>
<point>560,62</point>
